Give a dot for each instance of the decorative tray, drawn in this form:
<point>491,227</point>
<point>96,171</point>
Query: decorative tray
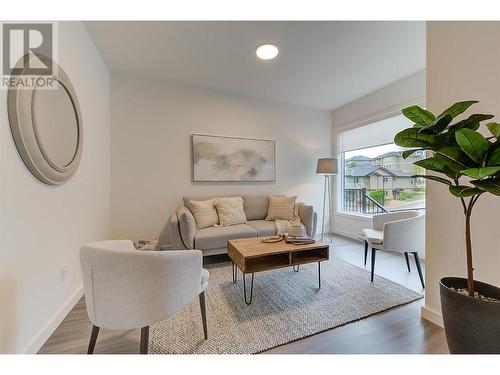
<point>272,239</point>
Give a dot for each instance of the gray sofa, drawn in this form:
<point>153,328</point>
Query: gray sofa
<point>181,233</point>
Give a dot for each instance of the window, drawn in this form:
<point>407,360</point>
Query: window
<point>369,155</point>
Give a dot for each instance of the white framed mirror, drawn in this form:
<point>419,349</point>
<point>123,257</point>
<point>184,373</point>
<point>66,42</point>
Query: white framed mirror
<point>46,125</point>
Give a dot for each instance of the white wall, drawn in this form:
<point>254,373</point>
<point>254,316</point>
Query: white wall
<point>375,106</point>
<point>462,64</point>
<point>43,227</point>
<point>151,126</point>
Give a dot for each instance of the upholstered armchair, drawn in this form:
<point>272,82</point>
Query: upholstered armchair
<point>127,289</point>
<point>402,231</point>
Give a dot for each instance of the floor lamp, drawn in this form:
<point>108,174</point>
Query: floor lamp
<point>327,167</point>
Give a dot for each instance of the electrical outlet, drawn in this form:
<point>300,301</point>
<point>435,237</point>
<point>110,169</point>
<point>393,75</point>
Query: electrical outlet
<point>62,273</point>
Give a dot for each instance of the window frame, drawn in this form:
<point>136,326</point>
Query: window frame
<point>363,121</point>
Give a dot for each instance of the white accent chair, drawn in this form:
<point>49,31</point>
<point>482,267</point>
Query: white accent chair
<point>128,289</point>
<point>402,231</point>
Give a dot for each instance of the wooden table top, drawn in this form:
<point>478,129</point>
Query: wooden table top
<point>254,247</point>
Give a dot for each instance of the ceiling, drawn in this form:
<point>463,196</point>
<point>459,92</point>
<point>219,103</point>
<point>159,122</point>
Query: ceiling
<point>320,64</point>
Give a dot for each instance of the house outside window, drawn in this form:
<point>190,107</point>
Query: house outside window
<point>374,176</point>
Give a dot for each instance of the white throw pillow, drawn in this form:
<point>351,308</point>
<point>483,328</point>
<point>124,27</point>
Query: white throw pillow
<point>230,211</point>
<point>204,212</point>
<point>281,208</point>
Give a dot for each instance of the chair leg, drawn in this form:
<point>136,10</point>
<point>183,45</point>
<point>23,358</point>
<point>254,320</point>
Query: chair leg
<point>419,269</point>
<point>373,262</point>
<point>144,340</point>
<point>366,251</point>
<point>203,309</point>
<point>407,258</point>
<point>93,339</point>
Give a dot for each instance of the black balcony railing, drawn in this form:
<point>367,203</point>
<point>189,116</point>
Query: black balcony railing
<point>357,200</point>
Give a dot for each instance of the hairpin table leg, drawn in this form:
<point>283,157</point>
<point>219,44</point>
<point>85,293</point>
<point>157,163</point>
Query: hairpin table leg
<point>245,289</point>
<point>296,269</point>
<point>235,273</point>
<point>319,275</point>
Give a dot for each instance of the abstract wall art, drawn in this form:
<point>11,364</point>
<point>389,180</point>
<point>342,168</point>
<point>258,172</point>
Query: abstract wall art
<point>232,159</point>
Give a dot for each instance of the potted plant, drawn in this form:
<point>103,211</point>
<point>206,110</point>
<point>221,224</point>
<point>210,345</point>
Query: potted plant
<point>469,164</point>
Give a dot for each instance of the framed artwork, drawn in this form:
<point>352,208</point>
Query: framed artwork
<point>232,159</point>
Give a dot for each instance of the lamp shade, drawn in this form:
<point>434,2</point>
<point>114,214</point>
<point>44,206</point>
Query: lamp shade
<point>327,166</point>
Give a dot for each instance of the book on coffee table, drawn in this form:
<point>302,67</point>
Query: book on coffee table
<point>299,240</point>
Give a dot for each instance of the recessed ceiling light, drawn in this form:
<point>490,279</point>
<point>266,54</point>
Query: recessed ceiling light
<point>266,52</point>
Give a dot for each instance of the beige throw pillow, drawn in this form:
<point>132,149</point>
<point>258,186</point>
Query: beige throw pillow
<point>230,211</point>
<point>281,208</point>
<point>204,212</point>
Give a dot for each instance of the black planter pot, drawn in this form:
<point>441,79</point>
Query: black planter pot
<point>472,326</point>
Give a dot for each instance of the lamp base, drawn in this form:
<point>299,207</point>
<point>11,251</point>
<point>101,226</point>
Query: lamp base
<point>327,188</point>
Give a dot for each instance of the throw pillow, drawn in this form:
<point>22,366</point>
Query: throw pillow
<point>281,208</point>
<point>230,211</point>
<point>204,212</point>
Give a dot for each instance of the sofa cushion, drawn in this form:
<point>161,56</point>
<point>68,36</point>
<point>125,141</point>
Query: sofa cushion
<point>190,198</point>
<point>281,208</point>
<point>217,237</point>
<point>230,211</point>
<point>263,227</point>
<point>204,212</point>
<point>256,206</point>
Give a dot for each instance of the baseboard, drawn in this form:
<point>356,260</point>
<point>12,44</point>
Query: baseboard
<point>432,316</point>
<point>42,336</point>
<point>347,234</point>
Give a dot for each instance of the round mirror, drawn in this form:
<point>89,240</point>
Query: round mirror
<point>55,124</point>
<point>46,124</point>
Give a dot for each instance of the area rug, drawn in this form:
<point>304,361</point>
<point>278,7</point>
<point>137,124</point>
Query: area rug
<point>286,306</point>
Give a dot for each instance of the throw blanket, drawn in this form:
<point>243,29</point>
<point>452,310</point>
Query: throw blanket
<point>146,245</point>
<point>282,226</point>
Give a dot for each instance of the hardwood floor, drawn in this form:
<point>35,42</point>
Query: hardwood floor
<point>396,331</point>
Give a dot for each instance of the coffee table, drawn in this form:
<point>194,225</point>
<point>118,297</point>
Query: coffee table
<point>251,255</point>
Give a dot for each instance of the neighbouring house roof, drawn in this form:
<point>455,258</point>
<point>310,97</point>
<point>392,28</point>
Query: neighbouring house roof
<point>361,171</point>
<point>368,170</point>
<point>399,173</point>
